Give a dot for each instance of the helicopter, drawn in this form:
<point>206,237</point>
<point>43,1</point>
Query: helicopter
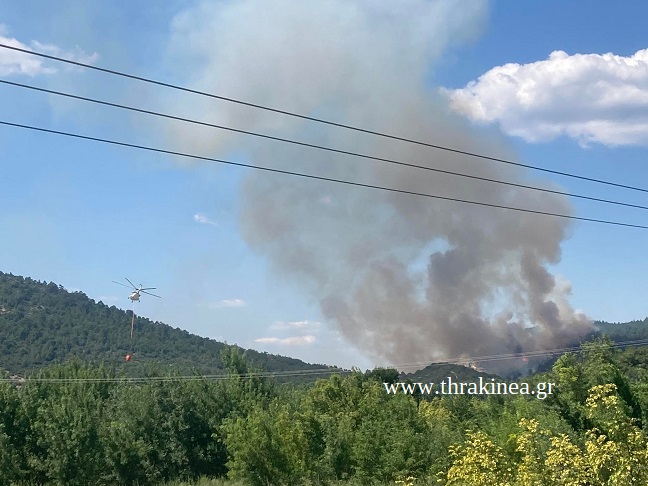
<point>135,295</point>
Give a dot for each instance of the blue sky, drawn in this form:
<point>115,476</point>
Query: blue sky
<point>83,214</point>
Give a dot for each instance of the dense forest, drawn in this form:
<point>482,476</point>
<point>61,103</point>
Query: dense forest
<point>82,417</point>
<point>624,331</point>
<point>80,424</point>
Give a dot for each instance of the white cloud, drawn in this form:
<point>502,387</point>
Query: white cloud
<point>230,303</point>
<point>202,219</point>
<point>588,97</point>
<point>284,326</point>
<point>289,341</point>
<point>14,62</point>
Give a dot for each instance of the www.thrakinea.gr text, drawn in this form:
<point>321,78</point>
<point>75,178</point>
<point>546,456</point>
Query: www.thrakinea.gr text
<point>482,386</point>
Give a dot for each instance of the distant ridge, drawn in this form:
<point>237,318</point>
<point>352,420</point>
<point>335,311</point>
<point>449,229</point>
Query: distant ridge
<point>437,372</point>
<point>624,331</point>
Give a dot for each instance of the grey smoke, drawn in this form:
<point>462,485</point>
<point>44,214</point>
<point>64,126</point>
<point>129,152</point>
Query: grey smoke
<point>405,279</point>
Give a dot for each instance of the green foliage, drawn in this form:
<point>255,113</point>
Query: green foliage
<point>12,435</point>
<point>61,420</point>
<point>478,462</point>
<point>266,447</point>
<point>82,422</point>
<point>383,375</point>
<point>575,375</point>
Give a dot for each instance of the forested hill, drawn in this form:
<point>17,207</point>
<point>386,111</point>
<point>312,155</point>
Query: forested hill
<point>624,331</point>
<point>42,323</point>
<point>438,372</point>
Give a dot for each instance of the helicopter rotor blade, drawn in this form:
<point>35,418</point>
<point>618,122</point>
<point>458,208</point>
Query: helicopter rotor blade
<point>147,288</point>
<point>119,283</point>
<point>149,293</point>
<point>133,285</point>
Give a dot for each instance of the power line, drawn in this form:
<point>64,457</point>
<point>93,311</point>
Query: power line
<point>528,354</point>
<point>320,120</point>
<point>321,178</point>
<point>319,147</point>
<point>167,378</point>
<point>318,371</point>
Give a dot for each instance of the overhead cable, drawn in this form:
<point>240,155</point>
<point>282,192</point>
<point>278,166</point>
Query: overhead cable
<point>528,354</point>
<point>320,120</point>
<point>318,371</point>
<point>319,147</point>
<point>315,177</point>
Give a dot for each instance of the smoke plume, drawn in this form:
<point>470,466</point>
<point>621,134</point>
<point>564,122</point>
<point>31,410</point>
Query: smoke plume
<point>404,278</point>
